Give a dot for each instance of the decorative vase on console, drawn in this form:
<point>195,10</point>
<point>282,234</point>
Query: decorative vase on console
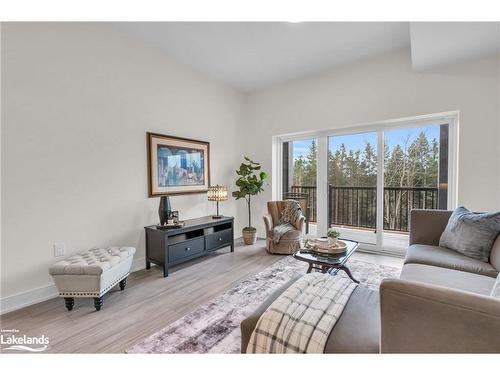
<point>165,209</point>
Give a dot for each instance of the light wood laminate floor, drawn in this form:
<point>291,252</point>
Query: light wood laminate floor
<point>149,303</point>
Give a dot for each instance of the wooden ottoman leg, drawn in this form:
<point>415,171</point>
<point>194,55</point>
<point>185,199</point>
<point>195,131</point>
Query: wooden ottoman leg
<point>123,284</point>
<point>69,302</point>
<point>97,303</point>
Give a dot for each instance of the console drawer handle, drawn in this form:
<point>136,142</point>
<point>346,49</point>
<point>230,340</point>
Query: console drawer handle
<point>188,248</point>
<point>220,238</point>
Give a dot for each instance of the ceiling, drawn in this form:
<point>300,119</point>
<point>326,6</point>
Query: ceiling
<point>256,55</point>
<point>434,44</point>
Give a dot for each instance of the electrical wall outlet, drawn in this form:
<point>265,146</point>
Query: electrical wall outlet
<point>59,249</point>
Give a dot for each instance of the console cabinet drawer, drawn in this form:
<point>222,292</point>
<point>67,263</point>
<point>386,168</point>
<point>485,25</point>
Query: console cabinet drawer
<point>185,249</point>
<point>216,239</point>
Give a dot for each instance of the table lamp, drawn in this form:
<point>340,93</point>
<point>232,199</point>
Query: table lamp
<point>217,193</point>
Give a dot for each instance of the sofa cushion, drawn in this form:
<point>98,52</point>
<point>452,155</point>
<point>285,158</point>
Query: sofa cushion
<point>248,324</point>
<point>358,328</point>
<point>445,277</point>
<point>427,226</point>
<point>447,258</point>
<point>471,234</point>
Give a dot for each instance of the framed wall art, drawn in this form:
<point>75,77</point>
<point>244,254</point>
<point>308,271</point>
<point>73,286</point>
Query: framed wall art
<point>177,165</point>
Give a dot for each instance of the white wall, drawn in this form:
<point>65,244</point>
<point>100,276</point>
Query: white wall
<point>77,102</point>
<point>385,88</point>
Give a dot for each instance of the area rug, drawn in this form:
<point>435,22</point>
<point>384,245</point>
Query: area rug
<point>215,326</point>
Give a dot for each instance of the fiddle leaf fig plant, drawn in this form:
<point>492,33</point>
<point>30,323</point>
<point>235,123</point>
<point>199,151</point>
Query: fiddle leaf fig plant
<point>250,182</point>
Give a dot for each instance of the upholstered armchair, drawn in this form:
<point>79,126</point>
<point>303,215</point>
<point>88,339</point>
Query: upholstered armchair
<point>290,241</point>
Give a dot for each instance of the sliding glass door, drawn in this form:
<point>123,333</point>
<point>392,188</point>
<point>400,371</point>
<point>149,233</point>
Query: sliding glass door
<point>415,176</point>
<point>365,183</point>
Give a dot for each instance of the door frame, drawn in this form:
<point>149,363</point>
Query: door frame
<point>451,118</point>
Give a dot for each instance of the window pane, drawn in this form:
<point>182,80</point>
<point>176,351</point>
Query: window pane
<point>412,172</point>
<point>299,179</point>
<point>352,180</point>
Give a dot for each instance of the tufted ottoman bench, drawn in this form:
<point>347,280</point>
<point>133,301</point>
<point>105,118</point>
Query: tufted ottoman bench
<point>92,273</point>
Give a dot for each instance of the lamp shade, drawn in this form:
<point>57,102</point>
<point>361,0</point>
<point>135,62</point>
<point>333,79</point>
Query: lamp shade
<point>217,193</point>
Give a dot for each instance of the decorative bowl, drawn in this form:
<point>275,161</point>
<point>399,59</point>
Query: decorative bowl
<point>320,245</point>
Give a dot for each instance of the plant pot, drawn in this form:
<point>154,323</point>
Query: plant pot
<point>249,236</point>
<point>332,241</point>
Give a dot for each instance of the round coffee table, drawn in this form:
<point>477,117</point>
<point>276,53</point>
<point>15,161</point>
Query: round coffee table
<point>330,263</point>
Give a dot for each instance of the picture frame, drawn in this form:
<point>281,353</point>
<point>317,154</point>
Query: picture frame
<point>177,165</point>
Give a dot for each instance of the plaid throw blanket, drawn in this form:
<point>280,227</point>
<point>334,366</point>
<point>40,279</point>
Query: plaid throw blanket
<point>290,214</point>
<point>301,319</point>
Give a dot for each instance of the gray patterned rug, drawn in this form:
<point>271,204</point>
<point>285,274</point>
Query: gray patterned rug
<point>214,327</point>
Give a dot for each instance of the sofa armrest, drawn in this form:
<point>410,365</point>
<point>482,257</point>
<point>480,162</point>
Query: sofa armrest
<point>268,222</point>
<point>426,226</point>
<point>423,318</point>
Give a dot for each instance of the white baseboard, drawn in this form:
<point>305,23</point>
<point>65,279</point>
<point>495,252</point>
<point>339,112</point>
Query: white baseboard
<point>30,297</point>
<point>44,293</point>
<point>138,264</point>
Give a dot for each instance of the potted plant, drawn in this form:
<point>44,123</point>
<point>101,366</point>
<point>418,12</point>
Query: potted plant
<point>249,183</point>
<point>333,235</point>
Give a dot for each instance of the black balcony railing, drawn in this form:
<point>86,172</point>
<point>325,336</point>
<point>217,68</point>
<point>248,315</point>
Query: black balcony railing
<point>399,201</point>
<point>311,200</point>
<point>352,206</point>
<point>357,206</point>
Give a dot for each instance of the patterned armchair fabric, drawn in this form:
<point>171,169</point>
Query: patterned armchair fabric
<point>290,241</point>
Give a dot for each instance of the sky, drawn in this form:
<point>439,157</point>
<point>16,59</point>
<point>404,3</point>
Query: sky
<point>357,141</point>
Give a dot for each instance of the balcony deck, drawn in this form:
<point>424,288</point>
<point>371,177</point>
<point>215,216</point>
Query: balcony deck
<point>391,241</point>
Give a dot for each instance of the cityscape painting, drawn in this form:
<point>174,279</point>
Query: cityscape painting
<point>177,165</point>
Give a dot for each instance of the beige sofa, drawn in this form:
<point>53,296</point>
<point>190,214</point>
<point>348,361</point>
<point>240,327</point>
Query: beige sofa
<point>440,303</point>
